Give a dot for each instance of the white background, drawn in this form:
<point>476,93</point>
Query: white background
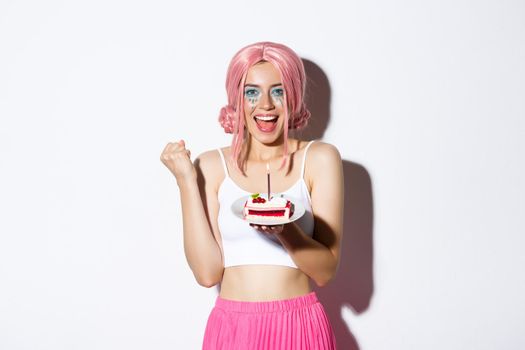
<point>424,100</point>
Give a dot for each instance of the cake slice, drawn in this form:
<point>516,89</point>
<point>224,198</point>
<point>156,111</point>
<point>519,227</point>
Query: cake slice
<point>258,208</point>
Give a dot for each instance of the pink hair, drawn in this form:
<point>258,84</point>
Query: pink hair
<point>291,70</point>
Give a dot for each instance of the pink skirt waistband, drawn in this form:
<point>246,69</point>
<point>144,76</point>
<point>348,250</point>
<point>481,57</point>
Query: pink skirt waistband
<point>267,306</point>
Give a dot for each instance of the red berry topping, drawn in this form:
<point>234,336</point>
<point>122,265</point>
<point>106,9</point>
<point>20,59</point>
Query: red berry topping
<point>259,200</point>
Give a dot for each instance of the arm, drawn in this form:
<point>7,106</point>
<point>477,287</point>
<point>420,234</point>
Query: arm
<point>199,209</point>
<point>318,257</point>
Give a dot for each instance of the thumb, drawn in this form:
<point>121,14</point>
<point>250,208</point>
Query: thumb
<point>182,143</point>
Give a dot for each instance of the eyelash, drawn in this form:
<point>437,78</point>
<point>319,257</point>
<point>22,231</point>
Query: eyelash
<point>279,92</point>
<point>251,93</point>
<point>254,93</point>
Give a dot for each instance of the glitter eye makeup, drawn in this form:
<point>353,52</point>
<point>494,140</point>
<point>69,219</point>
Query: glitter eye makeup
<point>251,92</point>
<point>278,94</point>
<point>252,95</point>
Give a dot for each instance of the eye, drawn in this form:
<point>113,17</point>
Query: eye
<point>279,92</point>
<point>251,92</point>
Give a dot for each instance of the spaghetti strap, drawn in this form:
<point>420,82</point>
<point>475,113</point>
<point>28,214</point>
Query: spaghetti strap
<point>304,158</point>
<point>223,163</point>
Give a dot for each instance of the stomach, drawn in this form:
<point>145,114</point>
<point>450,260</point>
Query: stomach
<point>263,283</point>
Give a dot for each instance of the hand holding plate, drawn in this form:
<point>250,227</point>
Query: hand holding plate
<point>268,229</point>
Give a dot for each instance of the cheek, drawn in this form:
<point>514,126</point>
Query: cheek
<point>278,100</point>
<point>248,110</point>
<point>251,102</point>
<point>249,107</point>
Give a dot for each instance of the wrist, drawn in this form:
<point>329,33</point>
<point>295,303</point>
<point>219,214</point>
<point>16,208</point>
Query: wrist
<point>285,232</point>
<point>186,181</point>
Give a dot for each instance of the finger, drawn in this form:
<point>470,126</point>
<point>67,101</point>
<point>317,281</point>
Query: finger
<point>168,150</point>
<point>177,145</point>
<point>276,226</point>
<point>168,147</point>
<point>255,226</point>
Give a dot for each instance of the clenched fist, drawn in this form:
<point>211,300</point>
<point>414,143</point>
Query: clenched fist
<point>176,157</point>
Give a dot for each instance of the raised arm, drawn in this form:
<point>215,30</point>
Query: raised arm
<point>199,212</point>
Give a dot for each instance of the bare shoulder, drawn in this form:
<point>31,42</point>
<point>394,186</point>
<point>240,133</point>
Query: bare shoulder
<point>322,154</point>
<point>324,166</point>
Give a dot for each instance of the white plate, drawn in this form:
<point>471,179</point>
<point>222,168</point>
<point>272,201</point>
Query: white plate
<point>238,206</point>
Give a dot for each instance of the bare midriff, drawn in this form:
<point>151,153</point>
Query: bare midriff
<point>263,283</point>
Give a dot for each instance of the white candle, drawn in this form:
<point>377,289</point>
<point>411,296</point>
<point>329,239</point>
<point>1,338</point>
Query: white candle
<point>268,179</point>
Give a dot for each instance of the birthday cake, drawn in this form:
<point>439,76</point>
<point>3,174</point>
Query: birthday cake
<point>259,209</point>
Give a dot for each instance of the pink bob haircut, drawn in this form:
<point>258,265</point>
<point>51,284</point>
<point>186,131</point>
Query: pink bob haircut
<point>291,70</point>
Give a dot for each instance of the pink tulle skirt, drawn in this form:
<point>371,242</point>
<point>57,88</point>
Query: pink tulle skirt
<point>291,324</point>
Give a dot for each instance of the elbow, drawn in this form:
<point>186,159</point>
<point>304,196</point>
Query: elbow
<point>207,282</point>
<point>323,279</point>
<point>321,283</point>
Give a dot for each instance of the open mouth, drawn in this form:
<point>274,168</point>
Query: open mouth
<point>266,123</point>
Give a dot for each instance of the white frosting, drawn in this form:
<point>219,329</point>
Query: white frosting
<point>275,202</point>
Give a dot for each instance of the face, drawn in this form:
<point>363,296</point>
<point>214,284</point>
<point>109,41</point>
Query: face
<point>264,103</point>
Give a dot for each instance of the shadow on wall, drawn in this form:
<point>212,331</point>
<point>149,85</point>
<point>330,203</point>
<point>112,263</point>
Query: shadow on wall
<point>353,286</point>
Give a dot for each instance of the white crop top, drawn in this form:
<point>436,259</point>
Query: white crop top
<point>243,244</point>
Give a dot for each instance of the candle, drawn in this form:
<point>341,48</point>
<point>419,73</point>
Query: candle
<point>268,179</point>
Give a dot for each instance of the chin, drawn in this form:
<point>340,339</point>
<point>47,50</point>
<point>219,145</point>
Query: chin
<point>267,139</point>
<point>271,141</point>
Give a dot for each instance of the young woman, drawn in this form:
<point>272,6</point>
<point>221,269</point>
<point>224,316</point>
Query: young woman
<point>264,271</point>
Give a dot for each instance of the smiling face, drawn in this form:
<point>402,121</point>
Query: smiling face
<point>264,103</point>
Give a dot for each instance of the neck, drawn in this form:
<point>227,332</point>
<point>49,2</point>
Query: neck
<point>260,152</point>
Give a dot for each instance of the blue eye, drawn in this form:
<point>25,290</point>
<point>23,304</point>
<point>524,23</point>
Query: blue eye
<point>278,92</point>
<point>251,92</point>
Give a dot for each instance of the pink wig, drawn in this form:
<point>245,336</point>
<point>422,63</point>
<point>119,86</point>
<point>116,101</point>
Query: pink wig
<point>291,70</point>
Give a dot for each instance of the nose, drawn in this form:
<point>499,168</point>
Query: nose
<point>266,101</point>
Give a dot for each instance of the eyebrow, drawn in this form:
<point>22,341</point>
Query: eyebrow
<point>255,85</point>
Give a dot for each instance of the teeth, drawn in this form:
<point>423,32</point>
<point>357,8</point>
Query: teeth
<point>266,118</point>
